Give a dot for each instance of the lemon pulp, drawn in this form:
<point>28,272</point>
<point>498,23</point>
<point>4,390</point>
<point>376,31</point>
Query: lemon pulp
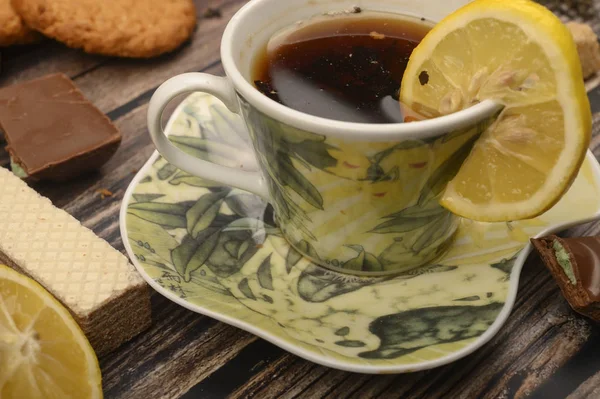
<point>43,352</point>
<point>520,55</point>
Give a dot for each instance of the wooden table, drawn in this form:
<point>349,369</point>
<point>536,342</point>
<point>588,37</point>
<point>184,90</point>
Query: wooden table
<point>544,350</point>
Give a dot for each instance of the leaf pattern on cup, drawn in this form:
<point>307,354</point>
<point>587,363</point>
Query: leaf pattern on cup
<point>185,178</point>
<point>217,152</point>
<point>363,262</point>
<point>244,204</point>
<point>287,154</point>
<point>282,149</point>
<point>448,169</point>
<point>403,224</point>
<point>292,178</point>
<point>421,229</point>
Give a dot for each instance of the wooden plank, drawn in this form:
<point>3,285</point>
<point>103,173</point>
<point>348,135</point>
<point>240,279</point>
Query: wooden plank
<point>186,351</point>
<point>250,361</point>
<point>44,58</point>
<point>179,350</point>
<point>589,389</point>
<point>283,378</point>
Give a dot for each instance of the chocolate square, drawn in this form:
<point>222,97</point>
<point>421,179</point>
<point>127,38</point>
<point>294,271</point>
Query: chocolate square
<point>53,132</point>
<point>575,265</point>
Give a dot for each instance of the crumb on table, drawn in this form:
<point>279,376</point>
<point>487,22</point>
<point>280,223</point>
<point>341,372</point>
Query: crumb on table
<point>104,193</point>
<point>212,13</point>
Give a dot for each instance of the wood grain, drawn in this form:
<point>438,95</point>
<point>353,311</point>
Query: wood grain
<point>543,351</point>
<point>589,389</point>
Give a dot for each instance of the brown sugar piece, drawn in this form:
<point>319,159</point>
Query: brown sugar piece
<point>107,297</point>
<point>52,131</point>
<point>575,265</point>
<point>587,47</point>
<point>12,28</point>
<point>125,28</point>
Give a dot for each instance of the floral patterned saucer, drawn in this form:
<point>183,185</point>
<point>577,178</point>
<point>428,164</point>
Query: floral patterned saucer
<point>217,251</point>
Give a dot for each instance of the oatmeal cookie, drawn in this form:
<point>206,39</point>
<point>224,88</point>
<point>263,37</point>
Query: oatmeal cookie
<point>125,28</point>
<point>12,28</point>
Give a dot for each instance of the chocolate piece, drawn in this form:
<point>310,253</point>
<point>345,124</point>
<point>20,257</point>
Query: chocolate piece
<point>575,264</point>
<point>53,132</point>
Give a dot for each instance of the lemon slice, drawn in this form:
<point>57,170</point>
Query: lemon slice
<point>43,352</point>
<point>518,54</point>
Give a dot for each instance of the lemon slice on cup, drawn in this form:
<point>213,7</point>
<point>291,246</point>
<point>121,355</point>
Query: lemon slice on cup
<point>43,352</point>
<point>519,54</point>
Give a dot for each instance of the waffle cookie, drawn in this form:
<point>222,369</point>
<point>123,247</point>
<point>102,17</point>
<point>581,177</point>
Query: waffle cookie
<point>99,286</point>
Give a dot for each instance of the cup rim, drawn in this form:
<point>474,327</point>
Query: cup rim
<point>334,128</point>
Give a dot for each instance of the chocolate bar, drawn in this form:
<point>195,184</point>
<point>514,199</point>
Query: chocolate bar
<point>575,265</point>
<point>107,297</point>
<point>53,132</point>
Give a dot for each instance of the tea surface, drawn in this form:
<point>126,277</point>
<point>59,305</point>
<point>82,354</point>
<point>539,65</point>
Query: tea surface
<point>346,68</point>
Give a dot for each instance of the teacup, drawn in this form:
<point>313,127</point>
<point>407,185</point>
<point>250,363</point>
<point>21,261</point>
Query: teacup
<point>353,197</point>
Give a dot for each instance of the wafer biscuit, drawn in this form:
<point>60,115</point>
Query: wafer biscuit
<point>99,286</point>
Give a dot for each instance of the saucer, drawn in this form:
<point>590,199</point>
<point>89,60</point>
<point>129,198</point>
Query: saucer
<point>216,250</point>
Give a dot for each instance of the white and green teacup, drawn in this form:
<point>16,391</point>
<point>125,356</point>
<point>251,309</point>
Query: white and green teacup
<point>356,198</point>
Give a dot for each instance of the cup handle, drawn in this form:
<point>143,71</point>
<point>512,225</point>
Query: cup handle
<point>221,88</point>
